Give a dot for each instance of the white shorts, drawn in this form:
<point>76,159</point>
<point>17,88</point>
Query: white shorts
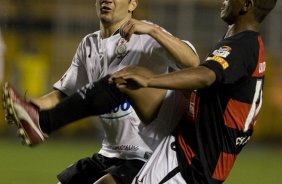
<point>162,167</point>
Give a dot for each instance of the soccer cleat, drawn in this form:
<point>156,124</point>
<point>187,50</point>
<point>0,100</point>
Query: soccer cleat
<point>24,114</point>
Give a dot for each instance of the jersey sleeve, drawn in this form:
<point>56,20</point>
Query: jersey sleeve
<point>228,62</point>
<point>76,76</point>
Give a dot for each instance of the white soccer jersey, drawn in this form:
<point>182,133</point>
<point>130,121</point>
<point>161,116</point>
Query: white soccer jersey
<point>125,136</point>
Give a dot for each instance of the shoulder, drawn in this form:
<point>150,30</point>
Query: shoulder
<point>243,39</point>
<point>90,36</point>
<point>241,44</point>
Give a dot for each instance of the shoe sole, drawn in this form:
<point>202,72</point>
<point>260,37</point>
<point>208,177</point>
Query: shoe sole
<point>11,116</point>
<point>8,116</point>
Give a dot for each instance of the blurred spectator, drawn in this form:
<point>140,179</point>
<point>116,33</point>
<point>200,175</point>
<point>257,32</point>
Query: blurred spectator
<point>2,50</point>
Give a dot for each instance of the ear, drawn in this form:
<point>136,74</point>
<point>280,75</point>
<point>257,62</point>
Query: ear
<point>248,4</point>
<point>132,5</point>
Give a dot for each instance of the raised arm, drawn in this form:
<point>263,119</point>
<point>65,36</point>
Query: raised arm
<point>183,54</point>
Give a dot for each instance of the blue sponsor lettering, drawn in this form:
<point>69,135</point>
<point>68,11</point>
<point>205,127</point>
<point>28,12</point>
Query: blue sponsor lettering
<point>120,111</point>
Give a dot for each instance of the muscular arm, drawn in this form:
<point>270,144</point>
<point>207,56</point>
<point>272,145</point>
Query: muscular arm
<point>188,78</point>
<point>185,79</point>
<point>179,50</point>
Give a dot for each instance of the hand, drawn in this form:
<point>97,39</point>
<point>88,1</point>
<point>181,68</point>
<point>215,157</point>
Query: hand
<point>127,78</point>
<point>134,26</point>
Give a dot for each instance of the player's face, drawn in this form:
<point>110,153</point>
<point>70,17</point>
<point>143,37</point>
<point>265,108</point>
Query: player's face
<point>111,12</point>
<point>230,10</point>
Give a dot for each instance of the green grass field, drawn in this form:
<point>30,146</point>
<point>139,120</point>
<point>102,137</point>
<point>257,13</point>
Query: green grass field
<point>39,165</point>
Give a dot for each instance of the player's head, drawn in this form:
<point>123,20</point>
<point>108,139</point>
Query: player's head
<point>234,10</point>
<point>114,11</point>
<point>262,8</point>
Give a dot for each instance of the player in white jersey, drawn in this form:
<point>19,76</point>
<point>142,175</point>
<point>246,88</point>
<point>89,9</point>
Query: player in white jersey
<point>122,126</point>
<point>127,143</point>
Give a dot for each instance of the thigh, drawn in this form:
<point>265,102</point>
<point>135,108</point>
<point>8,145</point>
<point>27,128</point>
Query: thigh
<point>162,167</point>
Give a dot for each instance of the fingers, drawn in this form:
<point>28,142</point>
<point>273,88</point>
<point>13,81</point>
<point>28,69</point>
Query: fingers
<point>134,26</point>
<point>122,80</point>
<point>118,81</point>
<point>132,77</point>
<point>118,76</point>
<point>126,30</point>
<point>131,27</point>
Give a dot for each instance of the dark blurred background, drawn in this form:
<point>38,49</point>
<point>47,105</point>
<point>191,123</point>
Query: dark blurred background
<point>39,39</point>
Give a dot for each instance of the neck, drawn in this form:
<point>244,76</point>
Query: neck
<point>108,30</point>
<point>242,26</point>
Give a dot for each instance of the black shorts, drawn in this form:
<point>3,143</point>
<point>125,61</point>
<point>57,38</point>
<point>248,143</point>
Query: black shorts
<point>88,170</point>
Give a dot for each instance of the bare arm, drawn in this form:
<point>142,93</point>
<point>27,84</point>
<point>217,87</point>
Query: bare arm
<point>179,50</point>
<point>49,100</point>
<point>188,78</point>
<point>185,79</point>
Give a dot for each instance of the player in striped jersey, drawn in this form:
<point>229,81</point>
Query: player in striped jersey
<point>121,41</point>
<point>224,108</point>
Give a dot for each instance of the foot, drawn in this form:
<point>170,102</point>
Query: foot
<point>24,114</point>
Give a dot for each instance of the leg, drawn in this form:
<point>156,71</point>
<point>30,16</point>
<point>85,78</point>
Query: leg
<point>146,101</point>
<point>49,100</point>
<point>94,99</point>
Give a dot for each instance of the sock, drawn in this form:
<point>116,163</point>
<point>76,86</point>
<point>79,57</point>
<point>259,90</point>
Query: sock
<point>94,99</point>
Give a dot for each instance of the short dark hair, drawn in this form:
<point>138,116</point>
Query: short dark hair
<point>262,8</point>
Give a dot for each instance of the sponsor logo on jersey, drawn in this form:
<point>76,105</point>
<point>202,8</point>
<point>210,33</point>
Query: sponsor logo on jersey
<point>120,111</point>
<point>220,60</point>
<point>223,51</point>
<point>124,148</point>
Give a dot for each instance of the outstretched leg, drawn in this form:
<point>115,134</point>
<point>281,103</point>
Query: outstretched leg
<point>94,99</point>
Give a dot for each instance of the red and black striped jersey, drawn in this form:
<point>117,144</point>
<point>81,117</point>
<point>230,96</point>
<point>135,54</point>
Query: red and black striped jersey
<point>221,118</point>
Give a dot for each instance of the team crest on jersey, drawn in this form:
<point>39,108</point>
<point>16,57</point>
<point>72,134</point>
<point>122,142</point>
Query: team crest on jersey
<point>223,51</point>
<point>121,49</point>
